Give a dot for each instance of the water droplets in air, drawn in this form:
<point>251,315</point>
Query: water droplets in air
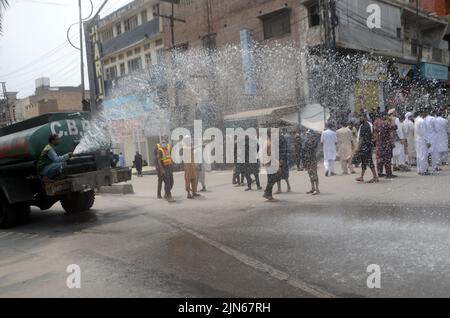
<point>206,85</point>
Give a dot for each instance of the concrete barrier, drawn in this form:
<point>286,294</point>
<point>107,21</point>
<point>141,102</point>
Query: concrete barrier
<point>126,188</point>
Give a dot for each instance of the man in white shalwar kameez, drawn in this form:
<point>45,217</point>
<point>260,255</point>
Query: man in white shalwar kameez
<point>408,127</point>
<point>329,141</point>
<point>430,124</point>
<point>422,144</point>
<point>442,138</point>
<point>398,154</point>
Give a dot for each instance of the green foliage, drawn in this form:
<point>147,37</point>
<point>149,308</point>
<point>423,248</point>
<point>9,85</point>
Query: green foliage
<point>3,5</point>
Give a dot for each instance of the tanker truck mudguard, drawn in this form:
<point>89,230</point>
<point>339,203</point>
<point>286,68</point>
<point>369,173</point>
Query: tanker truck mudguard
<point>20,185</point>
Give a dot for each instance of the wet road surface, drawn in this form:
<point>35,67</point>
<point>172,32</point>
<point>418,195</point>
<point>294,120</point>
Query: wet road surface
<point>230,244</point>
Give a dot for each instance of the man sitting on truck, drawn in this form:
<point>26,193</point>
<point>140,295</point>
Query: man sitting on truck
<point>50,165</point>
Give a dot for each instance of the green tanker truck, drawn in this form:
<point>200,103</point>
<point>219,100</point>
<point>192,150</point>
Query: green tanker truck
<point>20,185</point>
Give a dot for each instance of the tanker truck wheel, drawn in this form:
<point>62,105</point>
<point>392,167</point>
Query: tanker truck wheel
<point>23,214</point>
<point>8,216</point>
<point>77,202</point>
<point>89,199</point>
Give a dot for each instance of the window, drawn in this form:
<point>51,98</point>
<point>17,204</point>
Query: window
<point>131,23</point>
<point>209,42</point>
<point>118,28</point>
<point>137,50</point>
<point>113,60</point>
<point>399,33</point>
<point>120,56</point>
<point>111,73</point>
<point>277,23</point>
<point>134,65</point>
<point>147,47</point>
<point>129,53</point>
<point>155,9</point>
<point>437,54</point>
<point>144,17</point>
<point>107,34</point>
<point>314,15</point>
<point>416,50</point>
<point>159,55</point>
<point>122,69</point>
<point>148,59</point>
<point>159,42</point>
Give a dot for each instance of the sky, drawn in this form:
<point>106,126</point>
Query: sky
<point>34,42</point>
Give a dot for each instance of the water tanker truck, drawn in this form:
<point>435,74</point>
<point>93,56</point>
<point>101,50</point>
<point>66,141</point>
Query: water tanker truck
<point>20,185</point>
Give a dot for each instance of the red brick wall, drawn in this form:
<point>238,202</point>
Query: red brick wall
<point>441,7</point>
<point>227,19</point>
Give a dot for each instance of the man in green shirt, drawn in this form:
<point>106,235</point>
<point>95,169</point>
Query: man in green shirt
<point>50,164</point>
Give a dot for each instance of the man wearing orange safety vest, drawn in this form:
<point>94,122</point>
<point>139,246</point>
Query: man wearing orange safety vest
<point>164,166</point>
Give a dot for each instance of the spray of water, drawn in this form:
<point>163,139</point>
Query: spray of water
<point>202,84</point>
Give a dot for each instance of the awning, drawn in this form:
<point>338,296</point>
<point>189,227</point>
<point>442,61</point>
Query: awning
<point>434,72</point>
<point>312,117</point>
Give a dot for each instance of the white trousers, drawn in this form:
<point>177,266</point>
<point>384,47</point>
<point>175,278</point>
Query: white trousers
<point>202,176</point>
<point>422,161</point>
<point>329,165</point>
<point>399,155</point>
<point>443,157</point>
<point>435,159</point>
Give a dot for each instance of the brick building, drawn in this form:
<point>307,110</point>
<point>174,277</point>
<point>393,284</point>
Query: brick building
<point>215,23</point>
<point>440,7</point>
<point>410,40</point>
<point>47,99</point>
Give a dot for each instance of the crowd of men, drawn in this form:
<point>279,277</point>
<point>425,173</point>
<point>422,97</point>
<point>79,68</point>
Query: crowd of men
<point>418,139</point>
<point>385,144</point>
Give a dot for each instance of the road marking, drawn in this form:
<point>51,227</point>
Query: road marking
<point>260,266</point>
<point>4,234</point>
<point>245,259</point>
<point>18,235</point>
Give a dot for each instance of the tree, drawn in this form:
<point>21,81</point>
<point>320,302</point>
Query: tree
<point>3,5</point>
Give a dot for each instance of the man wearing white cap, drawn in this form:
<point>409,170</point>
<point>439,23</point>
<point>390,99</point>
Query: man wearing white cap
<point>329,141</point>
<point>398,154</point>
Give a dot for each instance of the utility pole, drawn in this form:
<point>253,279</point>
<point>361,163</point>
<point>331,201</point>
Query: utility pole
<point>419,41</point>
<point>333,22</point>
<point>90,41</point>
<point>83,97</point>
<point>172,19</point>
<point>5,105</point>
<point>329,18</point>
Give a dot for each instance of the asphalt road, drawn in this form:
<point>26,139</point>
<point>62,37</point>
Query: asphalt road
<point>230,243</point>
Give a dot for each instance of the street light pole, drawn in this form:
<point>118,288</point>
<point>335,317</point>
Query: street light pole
<point>83,97</point>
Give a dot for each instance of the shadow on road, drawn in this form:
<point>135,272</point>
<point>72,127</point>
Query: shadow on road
<point>58,223</point>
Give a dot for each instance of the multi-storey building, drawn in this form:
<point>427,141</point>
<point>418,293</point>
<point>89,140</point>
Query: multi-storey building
<point>47,99</point>
<point>440,7</point>
<point>124,42</point>
<point>215,23</point>
<point>409,40</point>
